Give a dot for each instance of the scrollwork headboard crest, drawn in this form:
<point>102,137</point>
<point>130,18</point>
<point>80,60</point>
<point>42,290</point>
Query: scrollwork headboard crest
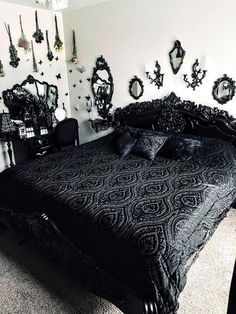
<point>173,115</point>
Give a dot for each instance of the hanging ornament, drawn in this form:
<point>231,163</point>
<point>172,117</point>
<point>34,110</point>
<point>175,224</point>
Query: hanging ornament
<point>35,67</point>
<point>49,54</point>
<point>58,45</point>
<point>74,58</point>
<point>38,34</point>
<point>2,73</point>
<point>12,49</point>
<point>23,42</point>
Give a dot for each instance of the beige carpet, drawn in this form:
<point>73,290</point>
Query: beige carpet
<point>30,283</point>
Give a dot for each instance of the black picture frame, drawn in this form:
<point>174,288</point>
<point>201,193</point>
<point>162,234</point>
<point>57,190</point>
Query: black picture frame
<point>216,85</point>
<point>132,81</point>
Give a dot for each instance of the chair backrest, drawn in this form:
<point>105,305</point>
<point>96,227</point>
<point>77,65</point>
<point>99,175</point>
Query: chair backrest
<point>66,133</point>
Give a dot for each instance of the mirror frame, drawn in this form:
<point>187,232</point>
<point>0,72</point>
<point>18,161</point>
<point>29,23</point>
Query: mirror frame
<point>177,45</point>
<point>101,64</point>
<point>132,81</point>
<point>225,77</point>
<point>8,96</point>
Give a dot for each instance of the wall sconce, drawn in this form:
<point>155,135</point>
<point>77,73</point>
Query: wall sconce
<point>158,79</point>
<point>197,76</point>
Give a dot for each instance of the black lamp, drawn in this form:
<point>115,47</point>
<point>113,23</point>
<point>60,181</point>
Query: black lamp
<point>7,130</point>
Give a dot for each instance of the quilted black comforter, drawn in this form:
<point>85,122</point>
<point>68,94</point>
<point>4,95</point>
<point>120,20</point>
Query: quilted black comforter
<point>143,221</point>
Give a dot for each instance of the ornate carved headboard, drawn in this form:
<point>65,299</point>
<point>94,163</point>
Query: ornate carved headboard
<point>173,115</point>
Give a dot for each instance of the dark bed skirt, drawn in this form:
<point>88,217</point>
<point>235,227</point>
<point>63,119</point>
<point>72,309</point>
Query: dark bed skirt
<point>47,236</point>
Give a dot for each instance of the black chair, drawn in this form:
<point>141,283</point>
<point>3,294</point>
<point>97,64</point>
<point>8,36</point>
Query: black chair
<point>66,134</point>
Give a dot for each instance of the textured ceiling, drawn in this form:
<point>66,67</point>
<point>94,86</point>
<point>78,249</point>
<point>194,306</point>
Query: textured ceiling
<point>73,4</point>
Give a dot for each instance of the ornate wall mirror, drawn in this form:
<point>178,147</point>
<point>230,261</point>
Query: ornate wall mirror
<point>136,88</point>
<point>176,56</point>
<point>102,87</point>
<point>223,89</point>
<point>32,102</point>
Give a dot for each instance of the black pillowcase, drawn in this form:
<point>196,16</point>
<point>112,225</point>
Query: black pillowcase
<point>125,143</point>
<point>148,145</point>
<point>181,148</point>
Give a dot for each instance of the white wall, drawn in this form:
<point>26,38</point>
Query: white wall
<point>9,13</point>
<point>132,34</point>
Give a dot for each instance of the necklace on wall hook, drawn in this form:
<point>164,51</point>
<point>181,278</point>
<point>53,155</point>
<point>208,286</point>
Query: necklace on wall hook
<point>158,79</point>
<point>197,76</point>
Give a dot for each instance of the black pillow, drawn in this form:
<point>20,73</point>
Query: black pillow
<point>181,148</point>
<point>125,143</point>
<point>148,145</point>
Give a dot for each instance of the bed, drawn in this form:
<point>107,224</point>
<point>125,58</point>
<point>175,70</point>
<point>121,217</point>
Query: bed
<point>132,227</point>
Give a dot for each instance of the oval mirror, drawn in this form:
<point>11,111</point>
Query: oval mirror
<point>136,88</point>
<point>223,89</point>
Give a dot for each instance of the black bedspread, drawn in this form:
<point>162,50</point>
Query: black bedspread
<point>141,220</point>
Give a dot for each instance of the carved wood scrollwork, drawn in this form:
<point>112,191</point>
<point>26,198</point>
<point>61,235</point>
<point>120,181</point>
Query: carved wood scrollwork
<point>171,121</point>
<point>176,115</point>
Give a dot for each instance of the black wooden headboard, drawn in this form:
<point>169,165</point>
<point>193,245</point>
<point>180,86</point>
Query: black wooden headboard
<point>173,115</point>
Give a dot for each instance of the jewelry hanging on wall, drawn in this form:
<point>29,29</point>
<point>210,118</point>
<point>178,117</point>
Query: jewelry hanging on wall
<point>35,67</point>
<point>74,59</point>
<point>12,49</point>
<point>23,42</point>
<point>50,55</point>
<point>158,79</point>
<point>58,45</point>
<point>197,76</point>
<point>38,34</point>
<point>2,73</point>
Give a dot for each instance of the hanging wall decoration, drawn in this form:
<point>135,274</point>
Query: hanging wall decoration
<point>23,42</point>
<point>224,89</point>
<point>35,67</point>
<point>197,76</point>
<point>74,58</point>
<point>176,56</point>
<point>38,34</point>
<point>50,55</point>
<point>12,49</point>
<point>2,73</point>
<point>58,45</point>
<point>158,79</point>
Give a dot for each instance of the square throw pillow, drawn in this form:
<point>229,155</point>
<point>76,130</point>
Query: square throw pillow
<point>181,148</point>
<point>125,143</point>
<point>148,145</point>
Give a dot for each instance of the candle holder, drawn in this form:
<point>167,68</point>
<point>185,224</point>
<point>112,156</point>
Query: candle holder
<point>158,79</point>
<point>197,76</point>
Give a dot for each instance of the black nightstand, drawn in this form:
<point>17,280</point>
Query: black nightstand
<point>30,148</point>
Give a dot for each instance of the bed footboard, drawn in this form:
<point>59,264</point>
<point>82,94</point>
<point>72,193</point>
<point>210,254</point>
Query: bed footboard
<point>47,236</point>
